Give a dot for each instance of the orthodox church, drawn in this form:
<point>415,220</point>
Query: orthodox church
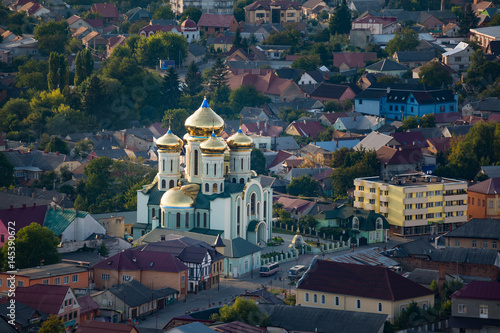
<point>216,193</point>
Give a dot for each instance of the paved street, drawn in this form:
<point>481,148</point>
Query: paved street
<point>230,288</point>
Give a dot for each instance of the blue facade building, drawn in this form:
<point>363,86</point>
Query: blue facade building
<point>397,101</point>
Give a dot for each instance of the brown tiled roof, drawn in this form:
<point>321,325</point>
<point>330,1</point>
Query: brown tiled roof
<point>42,297</point>
<point>87,304</point>
<point>310,129</point>
<point>388,155</point>
<point>107,10</point>
<point>353,59</point>
<point>148,261</point>
<point>280,158</point>
<point>328,90</point>
<point>298,204</point>
<point>360,280</point>
<point>441,144</point>
<point>23,216</point>
<point>215,20</point>
<point>265,81</point>
<point>481,290</point>
<point>73,19</point>
<point>92,326</point>
<point>267,5</point>
<point>489,186</point>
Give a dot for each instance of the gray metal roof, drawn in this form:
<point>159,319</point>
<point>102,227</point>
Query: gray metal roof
<point>491,171</point>
<point>477,228</point>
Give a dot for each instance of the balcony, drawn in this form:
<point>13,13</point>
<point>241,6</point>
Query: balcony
<point>415,211</point>
<point>384,198</point>
<point>370,195</point>
<point>456,219</point>
<point>415,200</point>
<point>384,187</point>
<point>453,197</point>
<point>456,208</point>
<point>358,194</point>
<point>358,204</point>
<point>369,206</point>
<point>413,223</point>
<point>384,209</point>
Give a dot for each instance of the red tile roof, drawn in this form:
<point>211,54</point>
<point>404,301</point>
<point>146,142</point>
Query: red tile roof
<point>352,59</point>
<point>332,117</point>
<point>299,205</point>
<point>280,158</point>
<point>447,117</point>
<point>254,128</point>
<point>216,20</point>
<point>494,117</point>
<point>310,128</point>
<point>265,81</point>
<point>482,290</point>
<point>107,10</point>
<point>23,216</point>
<point>95,23</point>
<point>73,19</point>
<point>388,155</point>
<point>323,175</point>
<point>87,305</point>
<point>489,186</point>
<point>115,41</point>
<point>147,261</point>
<point>359,280</point>
<point>88,326</point>
<point>441,144</point>
<point>42,297</point>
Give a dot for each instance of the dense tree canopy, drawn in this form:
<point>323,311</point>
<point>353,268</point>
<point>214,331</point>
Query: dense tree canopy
<point>193,80</point>
<point>467,20</point>
<point>52,37</point>
<point>304,186</point>
<point>404,39</point>
<point>161,46</point>
<point>258,163</point>
<point>244,310</point>
<point>192,12</point>
<point>84,66</point>
<point>340,20</point>
<point>246,96</point>
<point>6,171</point>
<point>433,74</point>
<point>163,13</point>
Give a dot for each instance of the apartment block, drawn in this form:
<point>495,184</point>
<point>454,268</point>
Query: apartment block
<point>416,203</point>
<point>207,7</point>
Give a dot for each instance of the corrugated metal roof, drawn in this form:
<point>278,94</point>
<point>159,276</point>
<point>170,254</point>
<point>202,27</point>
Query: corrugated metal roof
<point>370,257</point>
<point>58,220</point>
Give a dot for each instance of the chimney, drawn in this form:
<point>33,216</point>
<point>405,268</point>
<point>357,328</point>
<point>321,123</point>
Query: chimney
<point>304,121</point>
<point>11,207</point>
<point>258,124</point>
<point>24,205</point>
<point>265,126</point>
<point>388,89</point>
<point>337,143</point>
<point>57,153</point>
<point>34,204</point>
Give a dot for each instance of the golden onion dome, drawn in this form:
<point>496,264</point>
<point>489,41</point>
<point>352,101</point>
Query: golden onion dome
<point>184,196</point>
<point>169,142</point>
<point>213,145</point>
<point>204,121</point>
<point>240,141</point>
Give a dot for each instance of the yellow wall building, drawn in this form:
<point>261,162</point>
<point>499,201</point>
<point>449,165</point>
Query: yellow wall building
<point>416,203</point>
<point>273,12</point>
<point>360,288</point>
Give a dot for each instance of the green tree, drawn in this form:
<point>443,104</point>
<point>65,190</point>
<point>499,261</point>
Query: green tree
<point>481,73</point>
<point>83,148</point>
<point>427,121</point>
<point>6,171</point>
<point>84,66</point>
<point>340,20</point>
<point>246,96</point>
<point>307,221</point>
<point>170,89</point>
<point>193,80</point>
<point>163,12</point>
<point>409,122</point>
<point>178,117</point>
<point>258,163</point>
<point>495,20</point>
<point>289,36</point>
<point>433,74</point>
<point>405,39</point>
<point>219,74</point>
<point>53,324</point>
<point>304,186</point>
<point>34,245</point>
<point>165,45</point>
<point>58,76</point>
<point>103,250</point>
<point>94,100</point>
<point>33,75</point>
<point>74,45</point>
<point>52,37</point>
<point>192,12</point>
<point>12,113</point>
<point>307,63</point>
<point>237,39</point>
<point>244,310</point>
<point>239,11</point>
<point>56,144</point>
<point>95,192</point>
<point>467,20</point>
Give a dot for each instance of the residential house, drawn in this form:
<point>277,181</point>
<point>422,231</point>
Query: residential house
<point>196,53</point>
<point>451,29</point>
<point>401,101</point>
<point>387,67</point>
<point>276,184</point>
<point>339,143</point>
<point>478,233</point>
<point>8,37</point>
<point>212,24</point>
<point>155,269</point>
<point>94,40</point>
<point>150,30</point>
<point>222,43</point>
<point>376,140</point>
<point>302,104</point>
<point>204,262</point>
<point>459,58</point>
<point>287,143</point>
<point>289,73</point>
<point>137,14</point>
<point>74,275</point>
<point>315,319</point>
<point>266,82</point>
<point>241,256</point>
<point>416,71</point>
<point>315,155</point>
<point>273,12</point>
<point>328,119</point>
<point>484,108</point>
<point>399,160</point>
<point>484,36</point>
<point>484,199</point>
<point>491,171</point>
<point>108,11</point>
<point>71,225</point>
<point>456,131</point>
<point>367,227</point>
<point>334,285</point>
<point>413,59</point>
<point>135,139</point>
<point>221,8</point>
<point>432,24</point>
<point>75,22</point>
<point>474,307</point>
<point>22,216</point>
<point>21,47</point>
<point>350,60</point>
<point>262,128</point>
<point>376,25</point>
<point>358,124</point>
<point>311,7</point>
<point>114,42</point>
<point>479,6</point>
<point>360,38</point>
<point>255,114</point>
<point>333,92</point>
<point>52,300</point>
<point>305,129</point>
<point>312,77</point>
<point>296,207</point>
<point>437,145</point>
<point>276,165</point>
<point>368,6</point>
<point>27,319</point>
<point>274,52</point>
<point>414,203</point>
<point>133,299</point>
<point>464,262</point>
<point>89,309</point>
<point>17,4</point>
<point>90,326</point>
<point>34,9</point>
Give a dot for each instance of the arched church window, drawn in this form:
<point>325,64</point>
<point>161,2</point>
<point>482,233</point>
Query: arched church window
<point>178,220</point>
<point>153,212</point>
<point>204,220</point>
<point>171,183</point>
<point>242,164</point>
<point>187,220</point>
<point>215,169</point>
<point>171,165</point>
<point>207,188</point>
<point>242,181</point>
<point>163,165</point>
<point>265,209</point>
<point>195,163</point>
<point>252,203</point>
<point>214,188</point>
<point>163,183</point>
<point>198,219</point>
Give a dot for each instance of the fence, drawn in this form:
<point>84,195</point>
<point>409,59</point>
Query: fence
<point>307,232</point>
<point>281,258</point>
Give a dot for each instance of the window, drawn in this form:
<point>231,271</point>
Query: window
<point>483,311</point>
<point>474,243</point>
<point>178,220</point>
<point>207,187</point>
<point>315,298</point>
<point>438,192</point>
<point>408,206</point>
<point>419,194</point>
<point>252,203</point>
<point>57,281</point>
<point>66,280</point>
<point>323,299</point>
<point>46,281</point>
<point>457,242</point>
<point>265,209</point>
<point>429,205</point>
<point>390,107</point>
<point>473,200</point>
<point>494,244</point>
<point>196,163</point>
<point>70,301</point>
<point>372,201</point>
<point>430,215</point>
<point>419,206</point>
<point>214,188</point>
<point>163,183</point>
<point>355,223</point>
<point>187,219</point>
<point>418,217</point>
<point>215,169</point>
<point>337,301</point>
<point>409,195</point>
<point>360,101</point>
<point>204,220</point>
<point>490,204</point>
<point>462,308</point>
<point>361,188</point>
<point>379,307</point>
<point>306,297</point>
<point>358,304</point>
<point>439,204</point>
<point>408,217</point>
<point>485,244</point>
<point>479,202</point>
<point>21,283</point>
<point>372,190</point>
<point>429,193</point>
<point>198,220</point>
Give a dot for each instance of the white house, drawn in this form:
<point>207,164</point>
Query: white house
<point>459,57</point>
<point>72,224</point>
